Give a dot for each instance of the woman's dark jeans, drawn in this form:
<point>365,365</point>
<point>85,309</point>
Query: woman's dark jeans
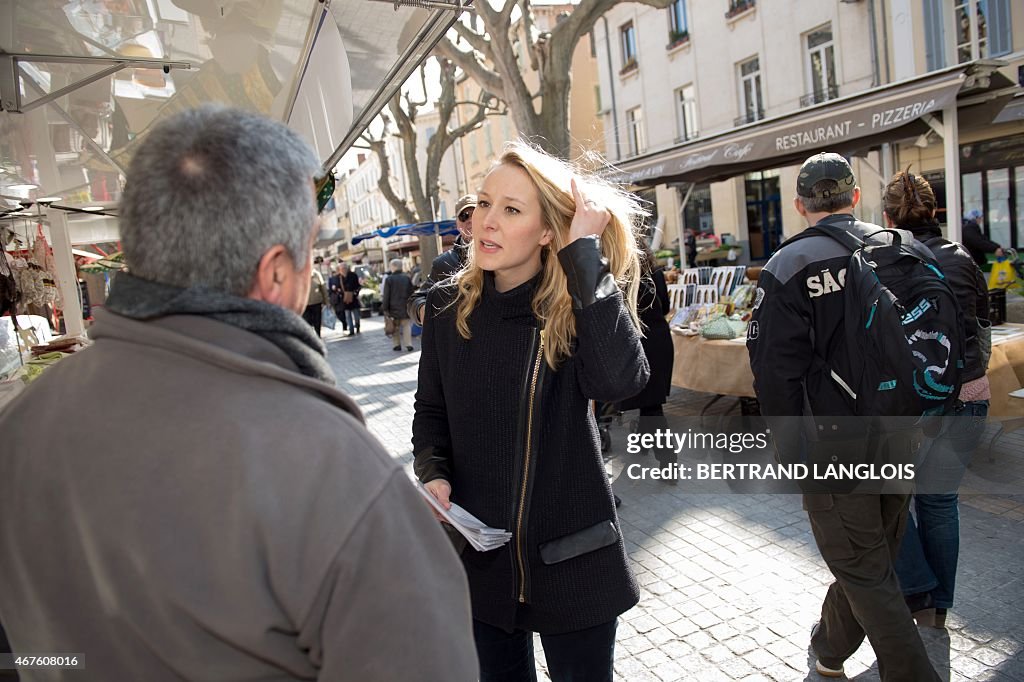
<point>581,656</point>
<point>931,547</point>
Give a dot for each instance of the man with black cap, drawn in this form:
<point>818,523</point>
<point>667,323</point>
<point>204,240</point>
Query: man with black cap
<point>449,262</point>
<point>798,311</point>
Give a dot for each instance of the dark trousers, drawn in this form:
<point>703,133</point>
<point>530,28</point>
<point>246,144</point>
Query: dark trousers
<point>859,537</point>
<point>581,656</point>
<point>313,316</point>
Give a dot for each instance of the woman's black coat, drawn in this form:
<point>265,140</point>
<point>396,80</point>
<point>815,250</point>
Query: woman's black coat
<point>652,304</point>
<point>519,444</point>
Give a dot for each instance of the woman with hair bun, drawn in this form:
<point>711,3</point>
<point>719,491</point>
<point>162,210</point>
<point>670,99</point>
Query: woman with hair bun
<point>540,322</point>
<point>927,562</point>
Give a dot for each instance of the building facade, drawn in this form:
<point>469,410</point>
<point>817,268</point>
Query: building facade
<point>711,105</point>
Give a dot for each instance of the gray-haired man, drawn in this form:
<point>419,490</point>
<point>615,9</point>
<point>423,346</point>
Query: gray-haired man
<point>212,506</point>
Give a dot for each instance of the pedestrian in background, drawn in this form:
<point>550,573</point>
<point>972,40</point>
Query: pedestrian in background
<point>334,290</point>
<point>395,297</point>
<point>449,262</point>
<point>514,349</point>
<point>318,298</point>
<point>930,550</point>
<point>243,525</point>
<point>975,240</point>
<point>653,303</point>
<point>858,535</point>
<point>350,286</point>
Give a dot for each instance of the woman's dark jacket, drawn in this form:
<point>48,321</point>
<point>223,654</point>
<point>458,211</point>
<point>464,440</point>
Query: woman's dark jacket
<point>967,282</point>
<point>394,298</point>
<point>350,282</point>
<point>652,304</point>
<point>519,444</point>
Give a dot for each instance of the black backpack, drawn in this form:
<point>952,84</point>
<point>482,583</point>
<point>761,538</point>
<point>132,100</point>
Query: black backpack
<point>901,350</point>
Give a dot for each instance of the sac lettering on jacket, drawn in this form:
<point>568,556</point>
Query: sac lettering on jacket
<point>826,283</point>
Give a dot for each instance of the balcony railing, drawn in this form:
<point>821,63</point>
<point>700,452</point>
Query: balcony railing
<point>748,118</point>
<point>819,96</point>
<point>739,7</point>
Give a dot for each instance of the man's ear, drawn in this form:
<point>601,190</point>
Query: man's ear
<point>856,196</point>
<point>798,204</point>
<point>272,271</point>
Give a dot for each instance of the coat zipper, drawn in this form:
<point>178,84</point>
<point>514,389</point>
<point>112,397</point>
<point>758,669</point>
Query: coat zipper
<point>526,470</point>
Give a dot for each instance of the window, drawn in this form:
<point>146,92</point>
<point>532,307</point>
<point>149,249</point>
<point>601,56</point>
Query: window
<point>627,38</point>
<point>751,96</point>
<point>982,29</point>
<point>678,28</point>
<point>971,36</point>
<point>739,7</point>
<point>821,65</point>
<point>637,139</point>
<point>686,113</point>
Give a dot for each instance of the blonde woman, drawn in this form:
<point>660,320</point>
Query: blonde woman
<point>540,321</point>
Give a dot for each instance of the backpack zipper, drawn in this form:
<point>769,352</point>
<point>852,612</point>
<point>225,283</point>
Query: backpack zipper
<point>526,469</point>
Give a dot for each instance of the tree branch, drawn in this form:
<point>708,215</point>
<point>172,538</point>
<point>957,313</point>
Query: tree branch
<point>528,28</point>
<point>474,67</point>
<point>478,42</point>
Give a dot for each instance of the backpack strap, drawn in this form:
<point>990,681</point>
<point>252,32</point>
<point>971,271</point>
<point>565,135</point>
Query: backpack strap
<point>830,226</point>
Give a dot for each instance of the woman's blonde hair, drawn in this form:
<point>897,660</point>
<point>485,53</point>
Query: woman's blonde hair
<point>552,304</point>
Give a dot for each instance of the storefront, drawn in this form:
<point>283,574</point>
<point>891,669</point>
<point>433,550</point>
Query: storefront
<point>746,170</point>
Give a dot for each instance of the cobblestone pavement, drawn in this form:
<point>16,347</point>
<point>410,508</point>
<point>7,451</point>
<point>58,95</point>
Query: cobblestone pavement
<point>733,583</point>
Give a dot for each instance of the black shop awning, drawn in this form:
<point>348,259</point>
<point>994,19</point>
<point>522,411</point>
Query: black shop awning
<point>846,125</point>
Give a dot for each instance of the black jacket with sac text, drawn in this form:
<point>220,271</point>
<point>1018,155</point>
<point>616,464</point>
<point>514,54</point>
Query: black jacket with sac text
<point>798,309</point>
<point>519,444</point>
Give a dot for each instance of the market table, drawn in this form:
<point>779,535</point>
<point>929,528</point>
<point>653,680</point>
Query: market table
<point>723,367</point>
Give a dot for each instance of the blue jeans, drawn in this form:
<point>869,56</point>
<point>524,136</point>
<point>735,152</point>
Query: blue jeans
<point>581,656</point>
<point>352,318</point>
<point>931,546</point>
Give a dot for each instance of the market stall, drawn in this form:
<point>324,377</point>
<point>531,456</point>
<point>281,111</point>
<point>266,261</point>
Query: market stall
<point>82,82</point>
<point>722,367</point>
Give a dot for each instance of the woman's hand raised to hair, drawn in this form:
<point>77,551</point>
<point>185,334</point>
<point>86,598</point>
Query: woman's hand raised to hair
<point>590,219</point>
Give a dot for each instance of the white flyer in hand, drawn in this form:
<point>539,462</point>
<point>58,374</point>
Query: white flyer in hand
<point>480,535</point>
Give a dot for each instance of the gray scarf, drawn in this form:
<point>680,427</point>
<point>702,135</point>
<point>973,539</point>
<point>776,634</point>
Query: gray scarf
<point>142,299</point>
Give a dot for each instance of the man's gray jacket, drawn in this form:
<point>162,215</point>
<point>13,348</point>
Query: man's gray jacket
<point>178,502</point>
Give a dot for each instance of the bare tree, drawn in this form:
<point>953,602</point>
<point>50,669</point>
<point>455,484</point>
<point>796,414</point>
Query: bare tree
<point>424,185</point>
<point>491,62</point>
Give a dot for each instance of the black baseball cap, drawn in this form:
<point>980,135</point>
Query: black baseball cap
<point>825,166</point>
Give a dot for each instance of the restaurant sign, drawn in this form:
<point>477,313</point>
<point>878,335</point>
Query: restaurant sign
<point>829,125</point>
